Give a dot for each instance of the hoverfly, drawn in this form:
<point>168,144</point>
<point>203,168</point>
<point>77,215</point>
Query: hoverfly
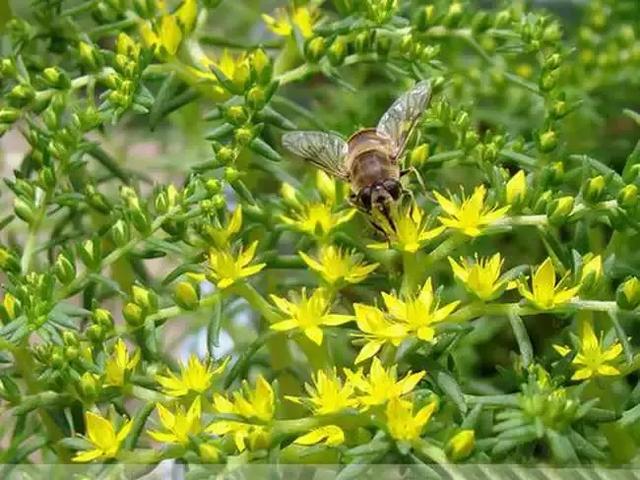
<point>369,159</point>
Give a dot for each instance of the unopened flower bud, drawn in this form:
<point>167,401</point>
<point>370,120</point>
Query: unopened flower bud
<point>56,78</point>
<point>24,210</point>
<point>236,114</point>
<point>547,141</point>
<point>594,189</point>
<point>516,188</point>
<point>71,353</point>
<point>133,314</point>
<point>21,95</point>
<point>9,115</point>
<point>559,210</point>
<point>102,317</point>
<point>419,155</point>
<point>290,196</point>
<point>89,56</point>
<point>213,186</point>
<point>592,273</point>
<point>208,453</point>
<point>326,186</point>
<point>90,253</point>
<point>628,196</point>
<point>218,201</point>
<point>186,296</point>
<point>231,174</point>
<point>64,269</point>
<point>95,333</point>
<point>262,66</point>
<point>337,51</point>
<point>628,294</point>
<point>256,98</point>
<point>7,68</point>
<point>89,386</point>
<point>120,233</point>
<point>8,261</point>
<point>314,49</point>
<point>145,298</point>
<point>244,135</point>
<point>461,445</point>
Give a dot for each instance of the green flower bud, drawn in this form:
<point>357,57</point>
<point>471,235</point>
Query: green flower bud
<point>419,155</point>
<point>236,114</point>
<point>628,294</point>
<point>145,298</point>
<point>9,115</point>
<point>102,317</point>
<point>8,261</point>
<point>461,445</point>
<point>407,44</point>
<point>64,268</point>
<point>89,56</point>
<point>133,314</point>
<point>241,76</point>
<point>57,360</point>
<point>89,386</point>
<point>290,196</point>
<point>256,98</point>
<point>213,186</point>
<point>8,68</point>
<point>244,135</point>
<point>552,62</point>
<point>47,178</point>
<point>95,333</point>
<point>549,80</point>
<point>90,253</point>
<point>559,210</point>
<point>71,353</point>
<point>186,296</point>
<point>454,14</point>
<point>559,109</point>
<point>314,49</point>
<point>547,141</point>
<point>218,202</point>
<point>120,233</point>
<point>208,453</point>
<point>21,95</point>
<point>262,66</point>
<point>594,189</point>
<point>97,200</point>
<point>231,174</point>
<point>337,52</point>
<point>56,78</point>
<point>591,274</point>
<point>628,196</point>
<point>226,155</point>
<point>362,42</point>
<point>24,210</point>
<point>480,22</point>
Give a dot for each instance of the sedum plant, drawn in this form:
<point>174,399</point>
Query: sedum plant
<point>176,287</point>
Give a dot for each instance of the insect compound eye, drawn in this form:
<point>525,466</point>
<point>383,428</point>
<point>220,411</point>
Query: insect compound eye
<point>365,197</point>
<point>393,187</point>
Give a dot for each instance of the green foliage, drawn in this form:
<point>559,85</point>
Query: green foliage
<point>153,210</point>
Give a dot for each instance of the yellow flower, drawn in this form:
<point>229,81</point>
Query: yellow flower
<point>317,218</point>
<point>330,435</point>
<point>376,330</point>
<point>380,384</point>
<point>408,231</point>
<point>482,277</point>
<point>308,314</point>
<point>284,22</point>
<point>225,270</point>
<point>470,216</point>
<point>327,395</point>
<point>592,359</point>
<point>187,15</point>
<point>516,188</point>
<point>420,313</point>
<point>545,294</point>
<point>119,363</point>
<point>178,425</point>
<point>335,265</point>
<point>102,435</point>
<point>164,37</point>
<point>221,236</point>
<point>9,302</point>
<point>256,406</point>
<point>402,424</point>
<point>195,376</point>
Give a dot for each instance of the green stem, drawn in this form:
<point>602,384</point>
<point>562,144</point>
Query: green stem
<point>257,301</point>
<point>622,336</point>
<point>522,337</point>
<point>293,427</point>
<point>410,273</point>
<point>164,313</point>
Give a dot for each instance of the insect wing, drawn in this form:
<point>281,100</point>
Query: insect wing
<point>398,122</point>
<point>324,150</point>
